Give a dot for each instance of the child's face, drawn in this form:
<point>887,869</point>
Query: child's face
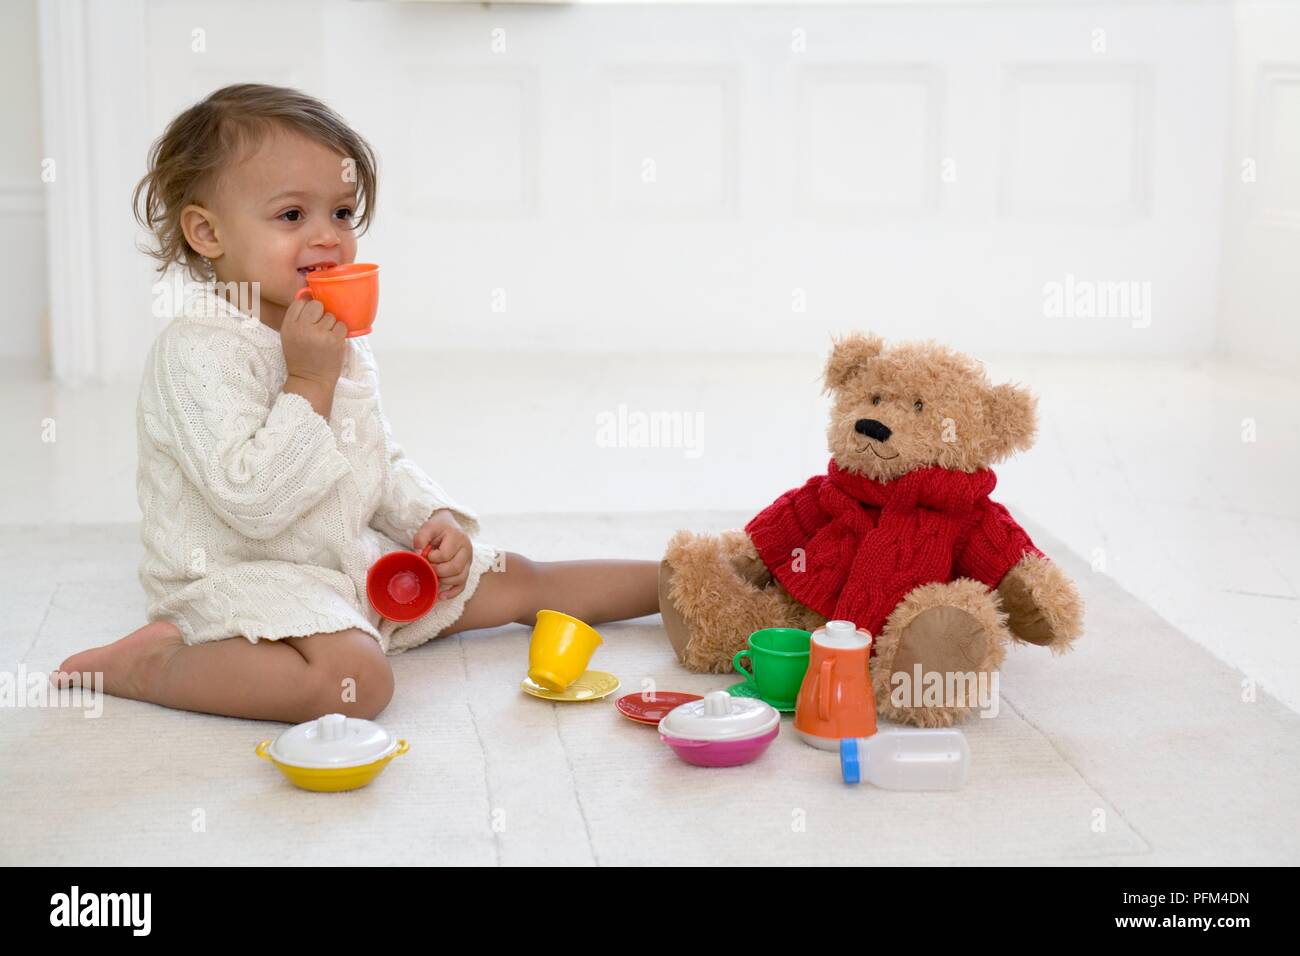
<point>283,209</point>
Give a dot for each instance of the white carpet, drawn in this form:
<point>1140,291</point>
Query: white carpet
<point>1136,748</point>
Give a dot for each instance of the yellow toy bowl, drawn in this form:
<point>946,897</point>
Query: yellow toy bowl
<point>332,753</point>
<point>332,779</point>
<point>560,649</point>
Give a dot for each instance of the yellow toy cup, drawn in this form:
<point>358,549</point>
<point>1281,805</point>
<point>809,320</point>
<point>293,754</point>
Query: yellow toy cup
<point>560,650</point>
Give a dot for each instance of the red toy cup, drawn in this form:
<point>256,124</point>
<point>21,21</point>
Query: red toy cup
<point>402,586</point>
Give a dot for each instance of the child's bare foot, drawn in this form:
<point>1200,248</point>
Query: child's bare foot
<point>129,665</point>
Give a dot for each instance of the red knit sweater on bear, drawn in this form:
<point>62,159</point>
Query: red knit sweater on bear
<point>851,548</point>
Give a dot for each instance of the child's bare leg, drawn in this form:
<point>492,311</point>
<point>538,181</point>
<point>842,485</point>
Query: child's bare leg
<point>291,680</point>
<point>593,591</point>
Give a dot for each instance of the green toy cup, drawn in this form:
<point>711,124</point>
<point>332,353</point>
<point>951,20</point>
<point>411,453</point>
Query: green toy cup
<point>779,656</point>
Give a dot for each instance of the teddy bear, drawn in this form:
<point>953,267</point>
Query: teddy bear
<point>899,536</point>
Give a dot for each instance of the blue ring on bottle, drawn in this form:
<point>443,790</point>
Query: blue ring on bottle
<point>850,769</point>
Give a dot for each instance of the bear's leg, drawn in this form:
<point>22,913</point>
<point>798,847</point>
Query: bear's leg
<point>679,632</point>
<point>937,654</point>
<point>714,592</point>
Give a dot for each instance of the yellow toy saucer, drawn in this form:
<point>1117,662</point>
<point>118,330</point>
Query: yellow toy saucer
<point>592,685</point>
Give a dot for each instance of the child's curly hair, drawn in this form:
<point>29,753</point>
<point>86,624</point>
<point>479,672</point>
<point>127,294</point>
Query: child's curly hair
<point>199,142</point>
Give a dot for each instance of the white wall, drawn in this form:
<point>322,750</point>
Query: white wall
<point>798,153</point>
<point>22,223</point>
<point>1261,291</point>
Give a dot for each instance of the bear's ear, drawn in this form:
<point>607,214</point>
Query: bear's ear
<point>848,356</point>
<point>1011,420</point>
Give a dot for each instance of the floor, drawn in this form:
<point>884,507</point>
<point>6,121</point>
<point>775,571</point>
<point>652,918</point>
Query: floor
<point>1137,748</point>
<point>1175,478</point>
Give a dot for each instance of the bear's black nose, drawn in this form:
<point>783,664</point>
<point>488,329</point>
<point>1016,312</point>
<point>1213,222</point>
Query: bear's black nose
<point>872,429</point>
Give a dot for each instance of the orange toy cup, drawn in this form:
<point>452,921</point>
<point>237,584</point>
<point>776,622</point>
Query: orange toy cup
<point>402,585</point>
<point>350,293</point>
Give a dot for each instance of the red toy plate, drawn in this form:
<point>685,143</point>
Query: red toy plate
<point>651,708</point>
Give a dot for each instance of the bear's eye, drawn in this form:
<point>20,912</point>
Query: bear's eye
<point>875,399</point>
<point>918,404</point>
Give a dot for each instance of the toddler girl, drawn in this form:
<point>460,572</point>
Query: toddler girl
<point>269,479</point>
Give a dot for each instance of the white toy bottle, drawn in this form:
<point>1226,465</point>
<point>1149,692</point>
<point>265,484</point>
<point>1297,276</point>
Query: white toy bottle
<point>907,758</point>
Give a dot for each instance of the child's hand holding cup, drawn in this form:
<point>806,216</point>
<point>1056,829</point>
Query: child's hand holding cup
<point>349,292</point>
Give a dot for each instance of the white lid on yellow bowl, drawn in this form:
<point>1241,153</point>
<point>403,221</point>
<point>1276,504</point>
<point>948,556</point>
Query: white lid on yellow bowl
<point>333,741</point>
<point>719,716</point>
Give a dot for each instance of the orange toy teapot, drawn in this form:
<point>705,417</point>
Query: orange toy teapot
<point>836,699</point>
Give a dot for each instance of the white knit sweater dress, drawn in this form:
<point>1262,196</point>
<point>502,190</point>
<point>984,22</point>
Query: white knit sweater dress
<point>260,520</point>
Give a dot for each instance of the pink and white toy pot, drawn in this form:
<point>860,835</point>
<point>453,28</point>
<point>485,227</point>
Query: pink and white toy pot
<point>720,730</point>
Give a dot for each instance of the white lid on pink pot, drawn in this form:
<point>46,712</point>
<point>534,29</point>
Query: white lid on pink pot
<point>719,716</point>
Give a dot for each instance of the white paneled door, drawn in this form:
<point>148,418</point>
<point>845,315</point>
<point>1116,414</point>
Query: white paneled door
<point>1260,318</point>
<point>1006,177</point>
